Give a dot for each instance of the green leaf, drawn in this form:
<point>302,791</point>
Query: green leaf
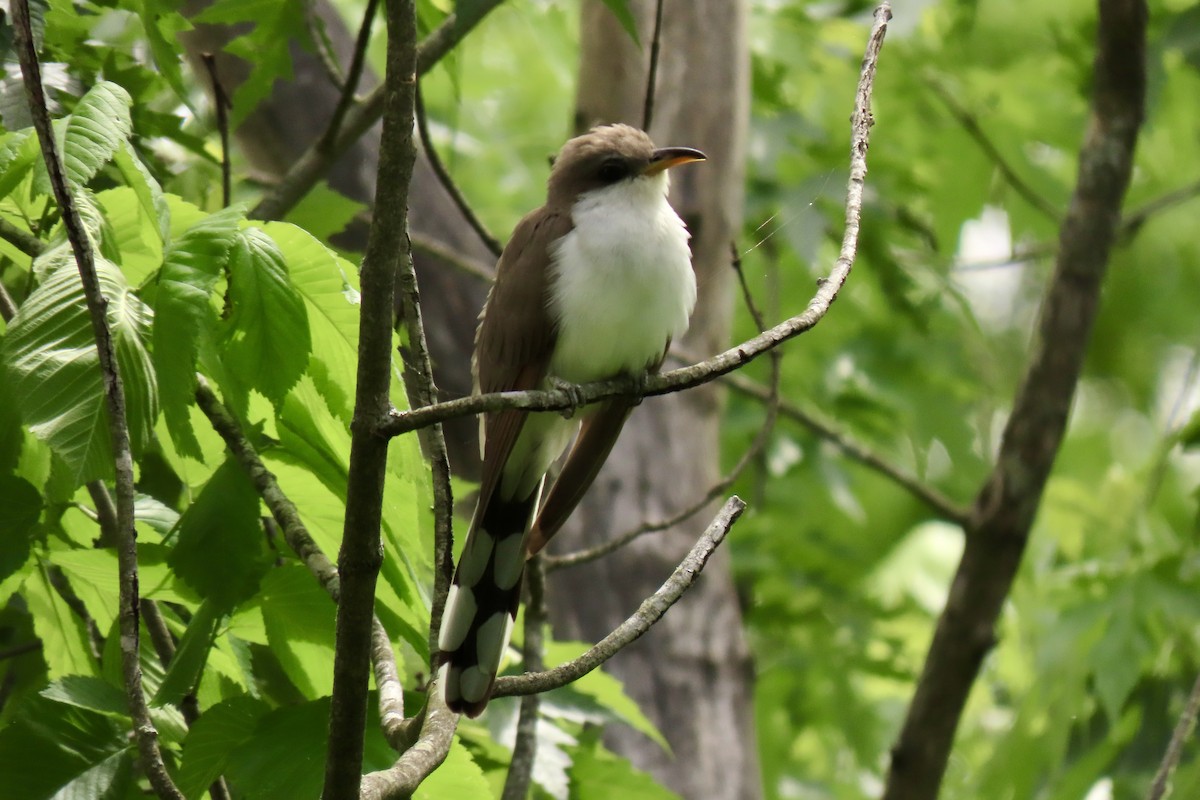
<point>96,129</point>
<point>110,779</point>
<point>328,285</point>
<point>598,774</point>
<point>286,755</point>
<point>458,777</point>
<point>604,690</point>
<point>277,24</point>
<point>65,645</point>
<point>184,315</point>
<point>56,744</point>
<point>265,341</point>
<point>163,24</point>
<point>219,732</point>
<point>53,368</point>
<point>219,550</point>
<point>624,15</point>
<point>19,514</point>
<point>299,618</point>
<point>149,193</point>
<point>17,159</point>
<point>86,691</point>
<point>183,674</point>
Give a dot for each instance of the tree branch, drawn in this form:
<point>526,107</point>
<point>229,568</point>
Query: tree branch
<point>649,612</point>
<point>360,117</point>
<point>1005,507</point>
<point>24,241</point>
<point>1183,730</point>
<point>447,182</point>
<point>361,553</point>
<point>353,76</point>
<point>399,781</point>
<point>114,395</point>
<point>652,72</point>
<point>297,537</point>
<point>520,769</point>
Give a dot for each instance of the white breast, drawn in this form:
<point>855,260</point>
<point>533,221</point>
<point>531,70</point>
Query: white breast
<point>624,283</point>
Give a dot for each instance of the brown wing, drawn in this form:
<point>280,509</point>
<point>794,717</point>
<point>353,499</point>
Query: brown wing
<point>516,333</point>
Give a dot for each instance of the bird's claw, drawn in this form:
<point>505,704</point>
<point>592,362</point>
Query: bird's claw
<point>572,391</point>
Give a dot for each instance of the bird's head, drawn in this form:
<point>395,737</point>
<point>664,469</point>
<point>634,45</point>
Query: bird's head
<point>610,154</point>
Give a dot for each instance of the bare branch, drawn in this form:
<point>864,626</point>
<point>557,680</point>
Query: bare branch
<point>650,612</point>
<point>295,533</point>
<point>1004,510</point>
<point>315,162</point>
<point>520,769</point>
<point>399,781</point>
<point>361,553</point>
<point>221,104</point>
<point>652,72</point>
<point>353,76</point>
<point>114,395</point>
<point>24,241</point>
<point>460,261</point>
<point>1183,731</point>
<point>447,182</point>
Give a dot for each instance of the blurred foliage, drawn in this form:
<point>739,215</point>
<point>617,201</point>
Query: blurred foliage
<point>843,572</point>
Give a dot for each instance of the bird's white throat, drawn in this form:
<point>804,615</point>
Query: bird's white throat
<point>623,282</point>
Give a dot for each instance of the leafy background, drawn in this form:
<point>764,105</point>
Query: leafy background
<point>843,571</point>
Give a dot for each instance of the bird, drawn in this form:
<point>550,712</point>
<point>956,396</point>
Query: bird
<point>593,285</point>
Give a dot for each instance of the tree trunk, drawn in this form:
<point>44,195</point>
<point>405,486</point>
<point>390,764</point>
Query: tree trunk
<point>692,673</point>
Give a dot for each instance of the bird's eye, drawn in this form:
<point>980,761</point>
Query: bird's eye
<point>613,170</point>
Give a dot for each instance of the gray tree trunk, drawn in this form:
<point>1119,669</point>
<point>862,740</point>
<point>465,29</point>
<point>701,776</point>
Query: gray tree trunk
<point>692,672</point>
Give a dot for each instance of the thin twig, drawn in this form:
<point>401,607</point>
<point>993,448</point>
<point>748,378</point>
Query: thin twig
<point>20,649</point>
<point>723,363</point>
<point>323,46</point>
<point>648,613</point>
<point>353,76</point>
<point>447,182</point>
<point>468,265</point>
<point>24,241</point>
<point>976,132</point>
<point>520,769</point>
<point>386,264</point>
<point>1183,731</point>
<point>222,104</point>
<point>361,116</point>
<point>114,394</point>
<point>295,533</point>
<point>652,72</point>
<point>1006,505</point>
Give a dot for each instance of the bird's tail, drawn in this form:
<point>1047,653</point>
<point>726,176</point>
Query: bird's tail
<point>483,601</point>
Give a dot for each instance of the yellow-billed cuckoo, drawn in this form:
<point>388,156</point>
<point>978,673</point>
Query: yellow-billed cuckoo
<point>593,285</point>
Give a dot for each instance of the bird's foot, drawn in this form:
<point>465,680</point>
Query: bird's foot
<point>637,387</point>
<point>573,393</point>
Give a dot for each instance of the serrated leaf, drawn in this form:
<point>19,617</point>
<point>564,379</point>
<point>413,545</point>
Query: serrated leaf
<point>64,638</point>
<point>17,159</point>
<point>183,674</point>
<point>265,341</point>
<point>184,315</point>
<point>163,24</point>
<point>458,777</point>
<point>86,691</point>
<point>299,618</point>
<point>110,779</point>
<point>605,691</point>
<point>599,774</point>
<point>96,129</point>
<point>149,193</point>
<point>329,287</point>
<point>219,546</point>
<point>18,517</point>
<point>53,368</point>
<point>220,731</point>
<point>624,14</point>
<point>154,513</point>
